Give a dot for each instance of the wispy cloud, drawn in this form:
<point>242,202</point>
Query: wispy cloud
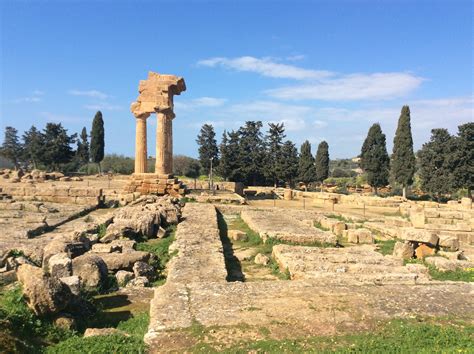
<point>89,93</point>
<point>103,107</point>
<point>61,118</point>
<point>352,87</point>
<point>200,102</point>
<point>266,67</point>
<point>36,96</point>
<point>322,84</point>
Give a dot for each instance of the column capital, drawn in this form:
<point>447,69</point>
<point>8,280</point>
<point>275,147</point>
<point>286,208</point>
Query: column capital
<point>141,115</point>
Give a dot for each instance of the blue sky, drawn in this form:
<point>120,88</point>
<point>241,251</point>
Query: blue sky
<point>327,69</point>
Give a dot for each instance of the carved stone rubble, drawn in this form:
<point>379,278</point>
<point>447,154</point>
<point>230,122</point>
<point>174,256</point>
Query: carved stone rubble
<point>156,96</point>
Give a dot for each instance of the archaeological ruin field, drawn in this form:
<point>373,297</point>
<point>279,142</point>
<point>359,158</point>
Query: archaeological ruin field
<point>265,269</point>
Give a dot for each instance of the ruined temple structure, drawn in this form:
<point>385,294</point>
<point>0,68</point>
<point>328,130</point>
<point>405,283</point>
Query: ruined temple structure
<point>156,96</point>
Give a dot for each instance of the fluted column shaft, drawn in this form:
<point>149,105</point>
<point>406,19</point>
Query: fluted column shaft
<point>140,145</point>
<point>164,144</point>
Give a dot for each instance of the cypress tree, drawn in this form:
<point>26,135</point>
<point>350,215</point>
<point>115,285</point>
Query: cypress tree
<point>207,147</point>
<point>322,162</point>
<point>289,163</point>
<point>11,148</point>
<point>464,158</point>
<point>374,158</point>
<point>274,169</point>
<point>33,146</point>
<point>224,168</point>
<point>233,163</point>
<point>403,162</point>
<point>97,140</point>
<point>436,163</point>
<point>83,148</point>
<point>306,168</point>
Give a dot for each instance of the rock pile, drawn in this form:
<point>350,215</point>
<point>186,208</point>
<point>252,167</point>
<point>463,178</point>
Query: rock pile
<point>84,261</point>
<point>35,176</point>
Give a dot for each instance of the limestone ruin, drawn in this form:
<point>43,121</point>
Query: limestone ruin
<point>156,96</point>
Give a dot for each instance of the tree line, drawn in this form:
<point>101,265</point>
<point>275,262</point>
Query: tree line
<point>248,155</point>
<point>443,165</point>
<point>52,148</point>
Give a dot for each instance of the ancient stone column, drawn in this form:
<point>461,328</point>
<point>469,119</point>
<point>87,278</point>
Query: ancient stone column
<point>164,148</point>
<point>140,144</point>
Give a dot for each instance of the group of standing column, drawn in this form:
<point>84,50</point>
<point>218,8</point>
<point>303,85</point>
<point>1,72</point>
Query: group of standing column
<point>164,143</point>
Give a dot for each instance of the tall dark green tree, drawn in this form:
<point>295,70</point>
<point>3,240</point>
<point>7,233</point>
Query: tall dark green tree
<point>306,168</point>
<point>82,152</point>
<point>274,169</point>
<point>33,146</point>
<point>57,146</point>
<point>403,162</point>
<point>374,158</point>
<point>11,148</point>
<point>232,164</point>
<point>97,140</point>
<point>251,153</point>
<point>207,147</point>
<point>225,164</point>
<point>289,163</point>
<point>464,158</point>
<point>322,162</point>
<point>436,163</point>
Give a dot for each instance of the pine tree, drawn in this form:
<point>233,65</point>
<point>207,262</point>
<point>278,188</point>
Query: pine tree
<point>306,168</point>
<point>274,169</point>
<point>207,147</point>
<point>374,158</point>
<point>33,146</point>
<point>11,148</point>
<point>83,148</point>
<point>251,153</point>
<point>464,158</point>
<point>436,165</point>
<point>223,169</point>
<point>57,145</point>
<point>403,162</point>
<point>289,163</point>
<point>233,164</point>
<point>97,140</point>
<point>322,162</point>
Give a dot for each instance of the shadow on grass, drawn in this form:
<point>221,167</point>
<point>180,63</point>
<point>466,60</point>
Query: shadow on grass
<point>232,263</point>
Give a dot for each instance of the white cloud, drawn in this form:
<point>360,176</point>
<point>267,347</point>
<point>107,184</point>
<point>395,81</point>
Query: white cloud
<point>33,98</point>
<point>89,93</point>
<point>103,107</point>
<point>61,118</point>
<point>265,67</point>
<point>210,102</point>
<point>320,123</point>
<point>352,87</point>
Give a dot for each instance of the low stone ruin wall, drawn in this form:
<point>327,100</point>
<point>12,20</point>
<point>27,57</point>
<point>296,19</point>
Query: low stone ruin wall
<point>349,265</point>
<point>53,193</point>
<point>278,224</point>
<point>199,259</point>
<point>235,187</point>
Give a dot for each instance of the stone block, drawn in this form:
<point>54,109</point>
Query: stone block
<point>417,219</point>
<point>418,235</point>
<point>237,235</point>
<point>466,203</point>
<point>60,265</point>
<point>449,242</point>
<point>123,277</point>
<point>73,282</point>
<point>261,259</point>
<point>403,250</point>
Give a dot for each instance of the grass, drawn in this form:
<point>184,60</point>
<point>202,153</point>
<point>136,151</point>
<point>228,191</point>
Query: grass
<point>385,246</point>
<point>466,275</point>
<point>160,248</point>
<point>20,329</point>
<point>318,225</point>
<point>340,218</point>
<point>135,327</point>
<point>396,336</point>
<point>101,230</point>
<point>253,238</point>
